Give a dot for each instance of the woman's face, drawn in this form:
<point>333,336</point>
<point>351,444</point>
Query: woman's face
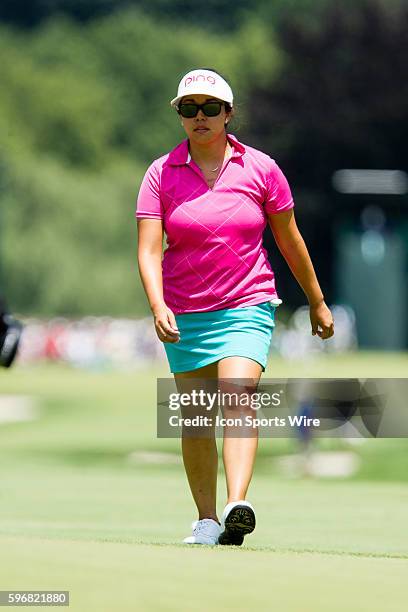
<point>202,129</point>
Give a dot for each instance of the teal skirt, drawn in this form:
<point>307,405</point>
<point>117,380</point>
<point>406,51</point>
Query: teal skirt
<point>206,337</point>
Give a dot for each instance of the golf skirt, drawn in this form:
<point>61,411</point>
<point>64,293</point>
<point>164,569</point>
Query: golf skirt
<point>206,337</point>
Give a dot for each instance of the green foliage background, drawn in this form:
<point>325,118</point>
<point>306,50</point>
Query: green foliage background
<point>84,109</point>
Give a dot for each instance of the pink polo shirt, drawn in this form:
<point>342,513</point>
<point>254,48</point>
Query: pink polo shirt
<point>214,257</point>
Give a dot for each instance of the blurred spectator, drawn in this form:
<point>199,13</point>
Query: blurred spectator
<point>103,342</point>
<point>10,334</point>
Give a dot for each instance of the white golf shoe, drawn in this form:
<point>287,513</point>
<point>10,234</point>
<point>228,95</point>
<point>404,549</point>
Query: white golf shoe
<point>238,519</point>
<point>205,531</point>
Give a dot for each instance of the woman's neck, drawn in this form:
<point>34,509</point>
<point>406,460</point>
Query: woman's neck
<point>208,154</point>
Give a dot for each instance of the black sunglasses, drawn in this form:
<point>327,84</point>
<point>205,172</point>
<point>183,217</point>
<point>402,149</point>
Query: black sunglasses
<point>190,110</point>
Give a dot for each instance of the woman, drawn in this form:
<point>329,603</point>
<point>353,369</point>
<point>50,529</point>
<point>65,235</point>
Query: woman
<point>213,296</point>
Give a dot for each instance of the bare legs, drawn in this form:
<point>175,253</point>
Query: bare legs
<point>200,453</point>
<point>238,452</point>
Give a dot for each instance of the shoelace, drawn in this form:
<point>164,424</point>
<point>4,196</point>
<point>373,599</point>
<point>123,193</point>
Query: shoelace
<point>201,526</point>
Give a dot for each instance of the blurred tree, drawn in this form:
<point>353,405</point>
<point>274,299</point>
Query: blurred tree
<point>216,14</point>
<point>54,111</point>
<point>68,239</point>
<point>339,101</point>
<point>85,107</point>
<point>341,95</point>
<point>28,13</point>
<point>83,111</point>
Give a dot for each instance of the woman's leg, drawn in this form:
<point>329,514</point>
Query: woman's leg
<point>239,452</point>
<point>200,455</point>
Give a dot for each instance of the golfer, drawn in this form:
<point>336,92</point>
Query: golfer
<point>212,293</point>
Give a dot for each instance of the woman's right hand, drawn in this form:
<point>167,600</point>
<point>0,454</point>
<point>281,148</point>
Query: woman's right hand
<point>165,324</point>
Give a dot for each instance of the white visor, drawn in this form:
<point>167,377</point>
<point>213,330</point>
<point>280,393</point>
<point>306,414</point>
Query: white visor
<point>203,82</point>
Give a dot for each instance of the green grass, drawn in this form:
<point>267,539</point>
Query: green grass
<point>76,514</point>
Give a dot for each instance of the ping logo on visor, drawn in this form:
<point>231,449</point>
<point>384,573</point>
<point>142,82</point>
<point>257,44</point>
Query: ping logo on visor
<point>199,77</point>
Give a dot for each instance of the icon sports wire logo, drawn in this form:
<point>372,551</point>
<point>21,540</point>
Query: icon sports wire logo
<point>327,408</point>
<point>199,77</point>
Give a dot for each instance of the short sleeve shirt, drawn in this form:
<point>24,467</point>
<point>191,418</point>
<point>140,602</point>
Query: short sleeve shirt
<point>214,257</point>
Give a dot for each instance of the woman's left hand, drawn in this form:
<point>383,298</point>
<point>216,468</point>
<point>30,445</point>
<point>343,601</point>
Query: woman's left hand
<point>321,316</point>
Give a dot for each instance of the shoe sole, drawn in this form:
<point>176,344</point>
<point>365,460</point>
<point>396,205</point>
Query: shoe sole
<point>239,523</point>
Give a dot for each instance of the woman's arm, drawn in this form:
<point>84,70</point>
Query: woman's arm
<point>293,248</point>
<point>149,255</point>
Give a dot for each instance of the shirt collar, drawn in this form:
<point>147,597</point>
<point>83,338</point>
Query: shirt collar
<point>180,155</point>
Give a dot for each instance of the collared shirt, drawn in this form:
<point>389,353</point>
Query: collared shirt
<point>214,257</point>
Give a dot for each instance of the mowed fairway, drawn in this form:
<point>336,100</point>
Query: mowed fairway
<point>92,502</point>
